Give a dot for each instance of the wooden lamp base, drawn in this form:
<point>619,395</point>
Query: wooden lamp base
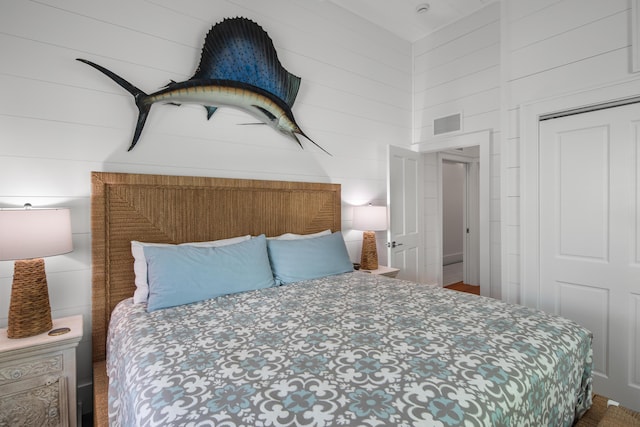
<point>29,310</point>
<point>369,258</point>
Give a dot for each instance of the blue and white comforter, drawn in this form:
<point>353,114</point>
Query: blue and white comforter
<point>354,349</point>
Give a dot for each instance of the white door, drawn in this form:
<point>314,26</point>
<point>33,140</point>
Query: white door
<point>404,193</point>
<point>590,238</point>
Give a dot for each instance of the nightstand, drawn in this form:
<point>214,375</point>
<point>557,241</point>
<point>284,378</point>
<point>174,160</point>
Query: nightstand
<point>38,377</point>
<point>383,270</point>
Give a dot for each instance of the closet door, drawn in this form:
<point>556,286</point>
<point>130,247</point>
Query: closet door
<point>590,237</point>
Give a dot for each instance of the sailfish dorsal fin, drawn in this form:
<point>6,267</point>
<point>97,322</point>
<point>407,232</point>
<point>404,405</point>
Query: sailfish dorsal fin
<point>238,49</point>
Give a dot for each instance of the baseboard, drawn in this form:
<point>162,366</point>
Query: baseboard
<point>452,258</point>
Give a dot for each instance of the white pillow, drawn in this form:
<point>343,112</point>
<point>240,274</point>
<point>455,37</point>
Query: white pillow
<point>293,236</point>
<point>141,293</point>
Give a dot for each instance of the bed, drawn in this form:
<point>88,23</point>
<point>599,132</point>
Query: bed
<point>345,348</point>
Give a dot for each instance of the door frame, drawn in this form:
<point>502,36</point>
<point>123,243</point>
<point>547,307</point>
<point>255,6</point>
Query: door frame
<point>530,177</point>
<point>483,140</point>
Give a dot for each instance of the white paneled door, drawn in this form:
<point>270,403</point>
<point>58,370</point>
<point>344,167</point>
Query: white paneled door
<point>405,195</point>
<point>590,237</point>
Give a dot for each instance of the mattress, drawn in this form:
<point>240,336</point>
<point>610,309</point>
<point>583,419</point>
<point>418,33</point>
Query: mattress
<point>350,349</point>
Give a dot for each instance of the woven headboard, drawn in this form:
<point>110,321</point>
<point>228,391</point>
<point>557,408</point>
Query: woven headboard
<point>178,209</point>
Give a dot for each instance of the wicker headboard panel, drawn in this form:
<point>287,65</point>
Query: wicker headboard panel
<point>177,209</point>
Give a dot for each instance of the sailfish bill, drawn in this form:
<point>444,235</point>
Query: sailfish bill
<point>238,68</point>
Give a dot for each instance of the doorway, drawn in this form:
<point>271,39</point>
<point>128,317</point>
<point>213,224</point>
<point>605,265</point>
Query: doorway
<point>454,176</point>
<point>419,192</point>
<point>460,215</point>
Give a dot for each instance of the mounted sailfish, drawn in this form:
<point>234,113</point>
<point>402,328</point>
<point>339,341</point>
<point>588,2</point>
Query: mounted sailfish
<point>239,68</point>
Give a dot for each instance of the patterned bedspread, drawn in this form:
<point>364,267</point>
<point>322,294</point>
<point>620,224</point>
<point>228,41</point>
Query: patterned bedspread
<point>347,350</point>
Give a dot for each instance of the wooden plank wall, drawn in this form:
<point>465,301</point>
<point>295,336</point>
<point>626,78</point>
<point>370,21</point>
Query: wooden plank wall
<point>563,54</point>
<point>511,53</point>
<point>552,48</point>
<point>457,70</point>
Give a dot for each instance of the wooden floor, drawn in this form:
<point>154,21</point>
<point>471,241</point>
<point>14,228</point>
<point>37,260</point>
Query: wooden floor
<point>463,287</point>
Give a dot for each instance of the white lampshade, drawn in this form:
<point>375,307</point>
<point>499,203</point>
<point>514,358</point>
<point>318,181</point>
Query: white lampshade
<point>27,235</point>
<point>370,218</point>
<point>34,233</point>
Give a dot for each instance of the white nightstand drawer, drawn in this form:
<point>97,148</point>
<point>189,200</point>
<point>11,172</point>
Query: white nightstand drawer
<point>39,401</point>
<point>24,369</point>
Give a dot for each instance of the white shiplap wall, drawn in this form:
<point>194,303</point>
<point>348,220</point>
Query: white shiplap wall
<point>60,119</point>
<point>552,48</point>
<point>457,70</point>
<point>508,54</point>
<point>558,55</point>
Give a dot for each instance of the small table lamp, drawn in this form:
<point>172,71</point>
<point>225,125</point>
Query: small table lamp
<point>369,219</point>
<point>27,235</point>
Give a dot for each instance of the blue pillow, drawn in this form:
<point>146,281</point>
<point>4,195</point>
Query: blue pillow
<point>183,274</point>
<point>297,260</point>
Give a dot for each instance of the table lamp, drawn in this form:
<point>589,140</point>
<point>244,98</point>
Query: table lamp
<point>27,235</point>
<point>369,219</point>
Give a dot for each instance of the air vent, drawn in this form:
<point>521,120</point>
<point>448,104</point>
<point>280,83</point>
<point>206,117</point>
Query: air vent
<point>452,123</point>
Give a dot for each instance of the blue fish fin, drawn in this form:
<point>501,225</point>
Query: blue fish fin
<point>238,49</point>
<point>210,110</point>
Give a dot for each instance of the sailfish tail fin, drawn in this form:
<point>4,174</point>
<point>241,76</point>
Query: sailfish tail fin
<point>139,96</point>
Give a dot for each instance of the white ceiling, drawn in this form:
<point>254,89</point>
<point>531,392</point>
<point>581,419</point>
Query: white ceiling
<point>400,16</point>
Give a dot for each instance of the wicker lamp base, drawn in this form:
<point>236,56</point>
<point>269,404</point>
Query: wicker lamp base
<point>29,310</point>
<point>369,258</point>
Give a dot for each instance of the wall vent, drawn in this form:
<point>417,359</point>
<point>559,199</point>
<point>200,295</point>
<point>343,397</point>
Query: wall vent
<point>452,123</point>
